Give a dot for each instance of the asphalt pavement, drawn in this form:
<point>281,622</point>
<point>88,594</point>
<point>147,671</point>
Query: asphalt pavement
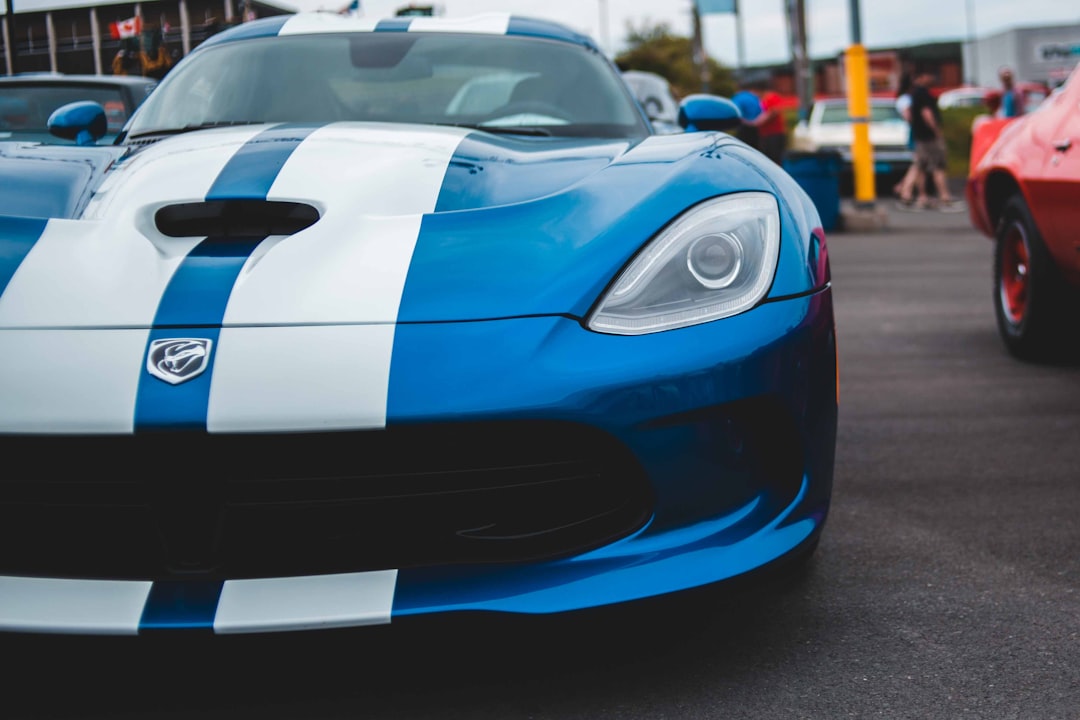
<point>946,585</point>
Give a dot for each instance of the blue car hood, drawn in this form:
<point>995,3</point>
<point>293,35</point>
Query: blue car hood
<point>414,224</point>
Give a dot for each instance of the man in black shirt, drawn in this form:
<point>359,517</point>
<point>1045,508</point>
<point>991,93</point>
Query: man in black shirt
<point>929,138</point>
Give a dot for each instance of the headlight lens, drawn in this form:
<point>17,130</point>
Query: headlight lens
<point>716,260</point>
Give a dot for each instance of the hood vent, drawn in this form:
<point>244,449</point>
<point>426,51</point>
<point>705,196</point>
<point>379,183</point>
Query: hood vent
<point>234,218</point>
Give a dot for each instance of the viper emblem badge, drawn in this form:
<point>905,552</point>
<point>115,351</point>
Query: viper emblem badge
<point>177,360</point>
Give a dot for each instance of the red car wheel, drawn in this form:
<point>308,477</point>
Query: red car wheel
<point>1013,286</point>
<point>1033,303</point>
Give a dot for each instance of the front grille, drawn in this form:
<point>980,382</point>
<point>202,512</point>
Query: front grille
<point>157,506</point>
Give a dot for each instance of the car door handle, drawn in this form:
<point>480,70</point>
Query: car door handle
<point>1063,145</point>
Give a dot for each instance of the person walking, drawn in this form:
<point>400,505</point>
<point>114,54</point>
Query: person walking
<point>772,132</point>
<point>930,152</point>
<point>749,107</point>
<point>914,179</point>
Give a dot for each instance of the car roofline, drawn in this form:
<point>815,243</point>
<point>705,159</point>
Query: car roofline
<point>516,26</point>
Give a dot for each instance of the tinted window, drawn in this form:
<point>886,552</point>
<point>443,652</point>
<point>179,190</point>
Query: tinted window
<point>397,77</point>
<point>878,113</point>
<point>26,108</point>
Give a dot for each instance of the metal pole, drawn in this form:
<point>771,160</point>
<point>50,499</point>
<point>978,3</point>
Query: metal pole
<point>802,59</point>
<point>9,34</point>
<point>739,44</point>
<point>50,34</point>
<point>972,44</point>
<point>95,32</point>
<point>699,49</point>
<point>857,69</point>
<point>604,38</point>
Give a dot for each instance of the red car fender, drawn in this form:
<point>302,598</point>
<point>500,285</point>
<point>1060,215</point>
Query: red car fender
<point>984,134</point>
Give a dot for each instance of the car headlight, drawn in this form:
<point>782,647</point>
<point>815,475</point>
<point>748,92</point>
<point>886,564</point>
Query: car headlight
<point>716,260</point>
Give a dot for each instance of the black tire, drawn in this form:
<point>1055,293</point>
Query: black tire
<point>1033,304</point>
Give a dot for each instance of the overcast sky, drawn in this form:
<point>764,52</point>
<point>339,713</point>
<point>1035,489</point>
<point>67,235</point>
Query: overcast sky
<point>885,23</point>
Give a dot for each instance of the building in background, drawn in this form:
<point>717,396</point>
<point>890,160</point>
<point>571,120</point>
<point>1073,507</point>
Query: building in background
<point>85,36</point>
<point>886,66</point>
<point>1043,54</point>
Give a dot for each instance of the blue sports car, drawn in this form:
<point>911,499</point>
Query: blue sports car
<point>359,320</point>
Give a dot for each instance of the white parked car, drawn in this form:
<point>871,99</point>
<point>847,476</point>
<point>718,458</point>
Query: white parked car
<point>654,93</point>
<point>829,128</point>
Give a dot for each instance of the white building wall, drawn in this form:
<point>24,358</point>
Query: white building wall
<point>1039,54</point>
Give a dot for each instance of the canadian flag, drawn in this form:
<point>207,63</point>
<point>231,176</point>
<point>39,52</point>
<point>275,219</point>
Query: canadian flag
<point>126,28</point>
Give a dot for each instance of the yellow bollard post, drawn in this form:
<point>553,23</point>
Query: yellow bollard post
<point>857,69</point>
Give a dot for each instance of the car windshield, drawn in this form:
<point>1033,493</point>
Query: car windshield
<point>506,84</point>
<point>25,108</point>
<point>878,113</point>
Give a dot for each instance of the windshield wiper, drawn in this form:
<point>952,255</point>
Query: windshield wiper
<point>533,130</point>
<point>196,126</point>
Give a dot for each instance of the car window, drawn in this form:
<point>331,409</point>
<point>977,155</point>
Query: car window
<point>443,78</point>
<point>26,108</point>
<point>838,113</point>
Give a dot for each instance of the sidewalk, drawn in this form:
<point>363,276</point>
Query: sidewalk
<point>907,219</point>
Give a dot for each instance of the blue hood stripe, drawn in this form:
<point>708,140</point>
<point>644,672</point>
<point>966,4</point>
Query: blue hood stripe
<point>180,604</point>
<point>17,237</point>
<point>529,27</point>
<point>198,293</point>
<point>159,405</point>
<point>199,290</point>
<point>253,169</point>
<point>393,25</point>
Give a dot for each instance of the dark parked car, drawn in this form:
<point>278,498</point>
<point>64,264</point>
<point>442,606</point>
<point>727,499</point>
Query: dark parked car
<point>27,101</point>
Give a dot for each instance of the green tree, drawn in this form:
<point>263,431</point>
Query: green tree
<point>656,49</point>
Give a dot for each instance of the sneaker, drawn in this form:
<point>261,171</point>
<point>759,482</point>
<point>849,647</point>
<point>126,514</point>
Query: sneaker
<point>915,205</point>
<point>951,206</point>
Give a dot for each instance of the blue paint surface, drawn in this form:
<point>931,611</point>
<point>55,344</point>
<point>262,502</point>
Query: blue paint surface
<point>162,406</point>
<point>18,236</point>
<point>251,172</point>
<point>199,290</point>
<point>393,25</point>
<point>181,604</point>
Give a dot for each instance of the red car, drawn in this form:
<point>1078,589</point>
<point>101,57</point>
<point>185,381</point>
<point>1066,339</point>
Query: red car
<point>1023,191</point>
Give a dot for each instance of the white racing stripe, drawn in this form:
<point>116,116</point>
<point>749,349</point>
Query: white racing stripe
<point>488,23</point>
<point>326,23</point>
<point>300,378</point>
<point>351,265</point>
<point>306,603</point>
<point>346,273</point>
<point>180,168</point>
<point>99,607</point>
<point>111,268</point>
<point>60,381</point>
<point>83,274</point>
<point>108,272</point>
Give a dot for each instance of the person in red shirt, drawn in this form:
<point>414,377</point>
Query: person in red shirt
<point>772,133</point>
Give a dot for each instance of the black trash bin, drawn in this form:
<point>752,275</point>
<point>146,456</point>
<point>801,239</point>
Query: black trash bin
<point>818,173</point>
